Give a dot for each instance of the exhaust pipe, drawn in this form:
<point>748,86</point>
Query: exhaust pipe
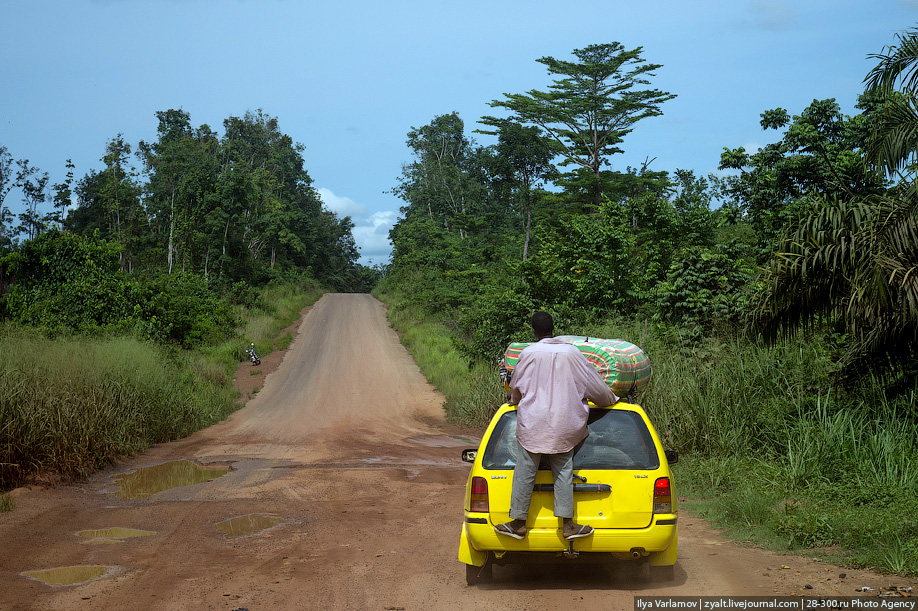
<point>637,552</point>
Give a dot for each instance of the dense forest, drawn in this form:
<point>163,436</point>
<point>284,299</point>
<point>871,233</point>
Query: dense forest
<point>204,214</point>
<point>815,230</point>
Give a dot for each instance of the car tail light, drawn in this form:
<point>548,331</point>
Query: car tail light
<point>662,496</point>
<point>479,497</point>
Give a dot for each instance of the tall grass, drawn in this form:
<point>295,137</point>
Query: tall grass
<point>276,307</point>
<point>781,456</point>
<point>472,391</point>
<point>72,404</point>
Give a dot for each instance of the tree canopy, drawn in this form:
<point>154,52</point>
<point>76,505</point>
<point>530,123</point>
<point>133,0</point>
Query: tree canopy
<point>240,206</point>
<point>851,254</point>
<point>808,232</point>
<point>589,110</point>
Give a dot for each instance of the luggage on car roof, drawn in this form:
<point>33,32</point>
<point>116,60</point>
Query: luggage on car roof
<point>624,367</point>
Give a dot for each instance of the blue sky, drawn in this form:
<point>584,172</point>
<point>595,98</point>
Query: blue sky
<point>348,80</point>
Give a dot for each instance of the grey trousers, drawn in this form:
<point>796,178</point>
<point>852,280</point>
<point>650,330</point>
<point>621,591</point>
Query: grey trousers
<point>524,474</point>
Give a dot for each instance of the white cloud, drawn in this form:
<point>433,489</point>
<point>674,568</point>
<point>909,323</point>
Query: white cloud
<point>372,236</point>
<point>342,206</point>
<point>371,231</point>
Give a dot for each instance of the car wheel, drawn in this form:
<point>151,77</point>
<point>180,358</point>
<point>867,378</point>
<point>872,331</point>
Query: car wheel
<point>475,575</point>
<point>662,573</point>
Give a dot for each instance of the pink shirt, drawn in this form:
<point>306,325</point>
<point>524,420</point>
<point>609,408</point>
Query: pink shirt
<point>551,384</point>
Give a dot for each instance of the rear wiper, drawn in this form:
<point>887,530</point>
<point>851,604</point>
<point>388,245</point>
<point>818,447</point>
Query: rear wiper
<point>580,477</point>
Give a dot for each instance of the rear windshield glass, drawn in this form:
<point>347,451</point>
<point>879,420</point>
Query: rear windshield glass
<point>618,440</point>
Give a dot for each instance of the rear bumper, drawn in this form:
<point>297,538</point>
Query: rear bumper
<point>479,536</point>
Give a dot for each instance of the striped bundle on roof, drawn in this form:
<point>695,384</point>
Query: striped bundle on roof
<point>624,367</point>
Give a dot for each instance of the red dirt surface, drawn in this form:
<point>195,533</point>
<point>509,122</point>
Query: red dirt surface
<point>346,442</point>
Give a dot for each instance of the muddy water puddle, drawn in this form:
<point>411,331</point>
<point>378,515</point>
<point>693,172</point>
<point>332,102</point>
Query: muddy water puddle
<point>68,575</point>
<point>113,535</point>
<point>145,481</point>
<point>443,441</point>
<point>244,526</point>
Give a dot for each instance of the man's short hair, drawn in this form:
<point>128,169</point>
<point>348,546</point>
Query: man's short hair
<point>542,324</point>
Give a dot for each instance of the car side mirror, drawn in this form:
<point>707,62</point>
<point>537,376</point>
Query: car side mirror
<point>469,455</point>
<point>672,456</point>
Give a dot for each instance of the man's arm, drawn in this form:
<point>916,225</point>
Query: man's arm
<point>518,372</point>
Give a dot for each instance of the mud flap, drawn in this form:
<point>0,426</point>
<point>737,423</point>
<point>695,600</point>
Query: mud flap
<point>667,557</point>
<point>467,554</point>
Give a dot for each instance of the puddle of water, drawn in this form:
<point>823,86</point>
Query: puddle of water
<point>113,535</point>
<point>149,480</point>
<point>68,575</point>
<point>443,441</point>
<point>244,526</point>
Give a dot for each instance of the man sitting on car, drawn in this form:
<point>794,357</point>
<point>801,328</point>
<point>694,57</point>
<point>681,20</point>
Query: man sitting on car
<point>550,386</point>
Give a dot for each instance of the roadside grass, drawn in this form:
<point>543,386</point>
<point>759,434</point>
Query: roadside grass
<point>6,503</point>
<point>472,392</point>
<point>774,455</point>
<point>70,405</point>
<point>277,307</point>
<point>770,451</point>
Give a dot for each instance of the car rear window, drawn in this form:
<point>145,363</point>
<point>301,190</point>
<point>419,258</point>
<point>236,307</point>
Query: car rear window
<point>618,439</point>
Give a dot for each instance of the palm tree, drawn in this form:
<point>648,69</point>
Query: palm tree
<point>854,260</point>
<point>896,143</point>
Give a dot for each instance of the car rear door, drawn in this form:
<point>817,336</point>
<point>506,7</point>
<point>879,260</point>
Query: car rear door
<point>618,460</point>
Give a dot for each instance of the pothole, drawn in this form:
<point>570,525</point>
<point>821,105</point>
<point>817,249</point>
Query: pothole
<point>145,481</point>
<point>68,575</point>
<point>443,441</point>
<point>113,535</point>
<point>246,525</point>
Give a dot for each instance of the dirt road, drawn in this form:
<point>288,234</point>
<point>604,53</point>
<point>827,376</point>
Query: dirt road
<point>346,447</point>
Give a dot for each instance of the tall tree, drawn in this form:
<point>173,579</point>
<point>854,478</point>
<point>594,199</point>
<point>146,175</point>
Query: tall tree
<point>33,185</point>
<point>236,207</point>
<point>820,154</point>
<point>182,164</point>
<point>526,157</point>
<point>7,181</point>
<point>437,182</point>
<point>591,108</point>
<point>120,195</point>
<point>853,257</point>
<point>63,195</point>
<point>265,192</point>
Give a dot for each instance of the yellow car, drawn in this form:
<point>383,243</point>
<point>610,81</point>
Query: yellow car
<point>622,488</point>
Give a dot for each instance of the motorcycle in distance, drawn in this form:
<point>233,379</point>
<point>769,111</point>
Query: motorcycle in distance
<point>252,356</point>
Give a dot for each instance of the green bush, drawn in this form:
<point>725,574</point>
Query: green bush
<point>187,310</point>
<point>704,287</point>
<point>242,294</point>
<point>66,283</point>
<point>492,322</point>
